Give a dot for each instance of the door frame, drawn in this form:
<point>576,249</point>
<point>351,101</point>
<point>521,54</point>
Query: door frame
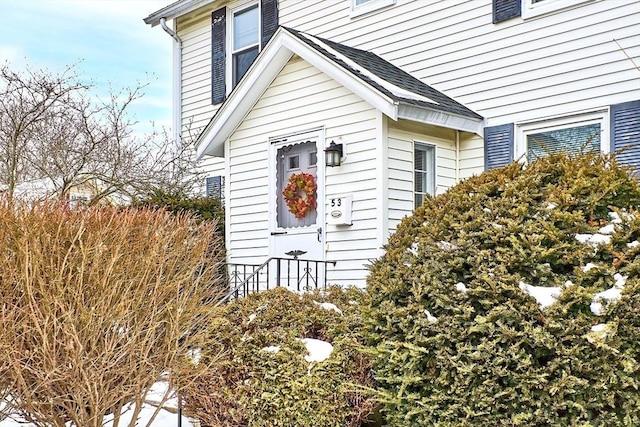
<point>272,185</point>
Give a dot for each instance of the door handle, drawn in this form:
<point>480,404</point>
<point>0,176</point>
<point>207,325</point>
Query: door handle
<point>320,234</point>
<point>277,233</point>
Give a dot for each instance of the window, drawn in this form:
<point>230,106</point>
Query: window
<point>238,34</point>
<point>214,187</point>
<point>508,9</point>
<point>77,200</point>
<point>360,7</point>
<point>572,134</point>
<point>424,158</point>
<point>531,8</point>
<point>572,140</point>
<point>614,129</point>
<point>245,41</point>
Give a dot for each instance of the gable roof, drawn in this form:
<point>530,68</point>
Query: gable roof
<point>386,87</point>
<point>371,68</point>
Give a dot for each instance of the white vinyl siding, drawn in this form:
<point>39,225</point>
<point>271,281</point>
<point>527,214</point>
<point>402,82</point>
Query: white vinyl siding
<point>518,70</point>
<point>402,137</point>
<point>302,98</point>
<point>196,73</point>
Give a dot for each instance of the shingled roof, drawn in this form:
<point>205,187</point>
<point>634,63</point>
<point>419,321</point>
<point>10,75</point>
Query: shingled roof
<point>387,72</point>
<point>392,91</point>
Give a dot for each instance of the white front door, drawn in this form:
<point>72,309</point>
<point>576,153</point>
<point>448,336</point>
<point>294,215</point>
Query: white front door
<point>297,224</point>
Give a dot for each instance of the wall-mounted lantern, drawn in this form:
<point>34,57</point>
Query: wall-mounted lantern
<point>333,154</point>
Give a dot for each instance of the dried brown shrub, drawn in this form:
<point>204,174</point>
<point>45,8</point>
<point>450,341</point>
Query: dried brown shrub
<point>97,305</point>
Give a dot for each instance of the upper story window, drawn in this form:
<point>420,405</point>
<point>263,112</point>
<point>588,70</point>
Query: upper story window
<point>360,7</point>
<point>238,33</point>
<point>424,161</point>
<point>570,135</point>
<point>531,8</point>
<point>507,9</point>
<point>245,41</point>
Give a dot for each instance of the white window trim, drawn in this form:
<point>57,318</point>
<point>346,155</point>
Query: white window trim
<point>369,6</point>
<point>231,10</point>
<point>524,129</point>
<point>413,166</point>
<point>531,9</point>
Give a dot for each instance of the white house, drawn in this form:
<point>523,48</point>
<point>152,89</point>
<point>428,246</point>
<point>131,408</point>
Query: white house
<point>417,94</point>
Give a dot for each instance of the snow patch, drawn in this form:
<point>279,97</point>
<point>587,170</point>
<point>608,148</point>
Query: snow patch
<point>633,244</point>
<point>318,350</point>
<point>593,239</point>
<point>598,332</point>
<point>608,296</point>
<point>252,317</point>
<point>589,266</point>
<point>607,229</point>
<point>446,246</point>
<point>194,355</point>
<point>460,287</point>
<point>551,206</point>
<point>615,218</point>
<point>413,250</point>
<point>545,296</point>
<point>328,306</point>
<point>430,318</point>
<point>271,348</point>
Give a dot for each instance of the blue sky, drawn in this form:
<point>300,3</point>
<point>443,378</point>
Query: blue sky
<point>106,38</point>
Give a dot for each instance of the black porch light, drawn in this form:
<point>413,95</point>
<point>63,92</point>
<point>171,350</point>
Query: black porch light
<point>333,154</point>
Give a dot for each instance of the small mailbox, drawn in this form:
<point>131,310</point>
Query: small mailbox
<point>340,210</point>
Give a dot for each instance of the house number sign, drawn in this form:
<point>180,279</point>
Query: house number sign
<point>340,210</point>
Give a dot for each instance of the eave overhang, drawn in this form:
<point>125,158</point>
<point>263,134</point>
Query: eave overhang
<point>281,48</point>
<point>174,10</point>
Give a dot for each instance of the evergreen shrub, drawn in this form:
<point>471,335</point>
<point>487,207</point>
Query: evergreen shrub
<point>258,375</point>
<point>202,208</point>
<point>456,340</point>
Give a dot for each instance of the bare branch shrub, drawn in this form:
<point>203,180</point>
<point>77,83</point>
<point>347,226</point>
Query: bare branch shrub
<point>98,304</point>
<point>54,128</point>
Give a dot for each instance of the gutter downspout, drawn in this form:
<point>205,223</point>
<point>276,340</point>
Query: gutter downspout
<point>177,114</point>
<point>177,80</point>
<point>457,156</point>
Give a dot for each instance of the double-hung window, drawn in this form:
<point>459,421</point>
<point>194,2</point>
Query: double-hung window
<point>360,7</point>
<point>424,160</point>
<point>238,34</point>
<point>245,41</point>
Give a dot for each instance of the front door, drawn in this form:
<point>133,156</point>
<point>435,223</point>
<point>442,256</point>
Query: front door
<point>297,219</point>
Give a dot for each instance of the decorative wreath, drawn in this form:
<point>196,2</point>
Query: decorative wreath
<point>300,194</point>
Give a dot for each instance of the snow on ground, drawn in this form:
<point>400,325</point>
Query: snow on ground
<point>167,417</point>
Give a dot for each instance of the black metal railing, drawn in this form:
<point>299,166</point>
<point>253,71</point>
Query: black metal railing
<point>292,273</point>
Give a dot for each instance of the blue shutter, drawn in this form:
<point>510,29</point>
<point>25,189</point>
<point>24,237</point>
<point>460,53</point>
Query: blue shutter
<point>218,55</point>
<point>505,9</point>
<point>214,185</point>
<point>625,133</point>
<point>269,10</point>
<point>498,146</point>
